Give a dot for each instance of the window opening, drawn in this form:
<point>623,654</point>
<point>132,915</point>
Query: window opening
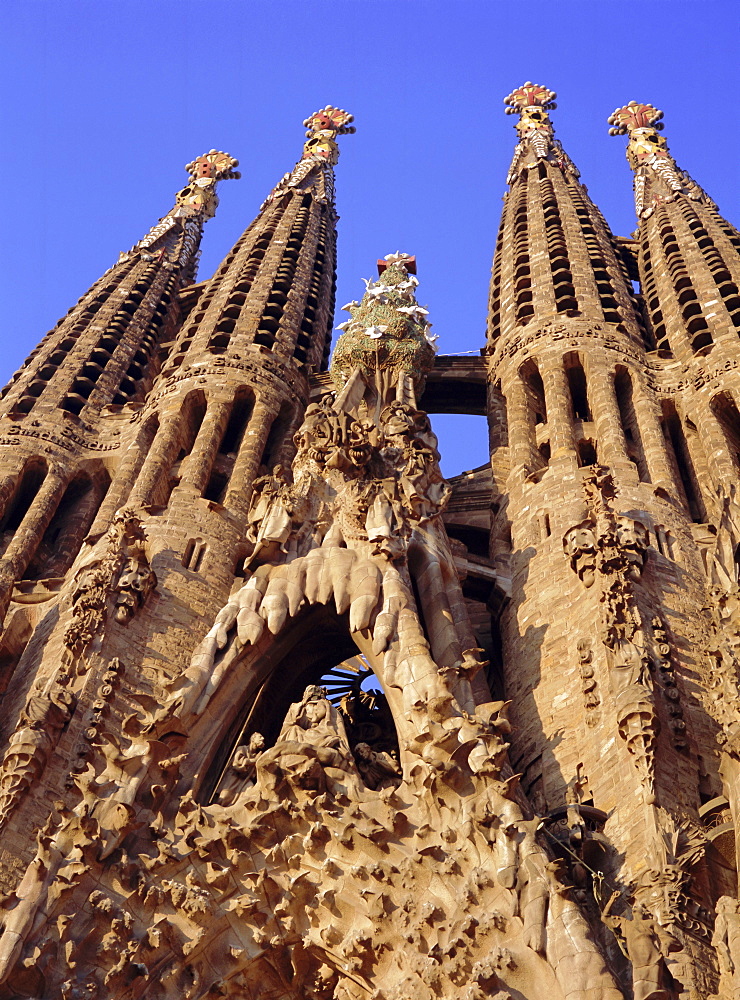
<point>682,462</point>
<point>623,390</point>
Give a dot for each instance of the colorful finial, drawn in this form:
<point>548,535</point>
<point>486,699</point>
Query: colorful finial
<point>323,127</point>
<point>530,95</point>
<point>215,165</point>
<point>657,178</point>
<point>531,102</point>
<point>632,116</point>
<point>330,119</point>
<point>199,196</point>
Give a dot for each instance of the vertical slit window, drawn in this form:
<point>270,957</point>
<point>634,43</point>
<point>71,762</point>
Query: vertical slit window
<point>682,462</point>
<point>624,392</point>
<point>578,387</point>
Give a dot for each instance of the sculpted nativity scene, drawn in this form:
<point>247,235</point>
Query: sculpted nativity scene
<point>288,716</point>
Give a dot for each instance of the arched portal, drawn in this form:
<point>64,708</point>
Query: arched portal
<point>316,648</point>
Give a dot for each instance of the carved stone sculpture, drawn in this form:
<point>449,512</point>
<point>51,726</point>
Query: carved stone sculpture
<point>646,945</point>
<point>579,544</point>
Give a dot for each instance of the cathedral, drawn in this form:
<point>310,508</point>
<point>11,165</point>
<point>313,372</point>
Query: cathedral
<point>287,715</point>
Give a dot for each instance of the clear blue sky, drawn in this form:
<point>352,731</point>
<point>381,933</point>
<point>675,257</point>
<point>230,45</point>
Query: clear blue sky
<point>104,102</point>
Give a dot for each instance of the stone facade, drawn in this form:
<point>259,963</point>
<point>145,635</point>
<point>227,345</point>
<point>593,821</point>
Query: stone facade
<point>287,715</point>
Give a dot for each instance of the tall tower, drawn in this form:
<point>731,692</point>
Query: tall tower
<point>607,591</point>
<point>62,411</point>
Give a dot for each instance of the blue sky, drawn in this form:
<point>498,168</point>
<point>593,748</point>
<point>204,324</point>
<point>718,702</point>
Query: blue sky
<point>104,102</point>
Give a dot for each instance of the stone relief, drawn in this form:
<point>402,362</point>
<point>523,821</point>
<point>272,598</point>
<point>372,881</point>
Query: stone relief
<point>612,548</point>
<point>116,564</point>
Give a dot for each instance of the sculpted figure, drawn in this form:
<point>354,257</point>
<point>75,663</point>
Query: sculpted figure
<point>579,544</point>
<point>726,940</point>
<point>397,421</point>
<point>320,434</point>
<point>645,943</point>
<point>633,540</point>
<point>116,563</point>
<point>629,668</point>
<point>311,748</point>
<point>242,770</point>
<point>264,491</point>
<point>314,720</point>
<point>377,769</point>
<point>135,584</point>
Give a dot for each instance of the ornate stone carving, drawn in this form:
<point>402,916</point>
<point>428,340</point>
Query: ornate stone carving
<point>647,945</point>
<point>612,548</point>
<point>118,564</point>
<point>242,769</point>
<point>45,715</point>
<point>579,544</point>
<point>667,680</point>
<point>589,686</point>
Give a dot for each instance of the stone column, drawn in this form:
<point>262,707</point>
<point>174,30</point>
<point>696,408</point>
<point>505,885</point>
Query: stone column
<point>612,447</point>
<point>124,479</point>
<point>559,413</point>
<point>158,461</point>
<point>712,436</point>
<point>249,458</point>
<point>196,468</point>
<point>521,444</point>
<point>8,486</point>
<point>651,432</point>
<point>27,537</point>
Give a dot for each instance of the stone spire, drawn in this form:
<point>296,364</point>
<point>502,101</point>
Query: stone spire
<point>234,385</point>
<point>536,134</point>
<point>689,257</point>
<point>275,289</point>
<point>177,235</point>
<point>101,351</point>
<point>555,254</point>
<point>320,153</point>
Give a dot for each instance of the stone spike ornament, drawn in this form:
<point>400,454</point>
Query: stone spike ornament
<point>657,178</point>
